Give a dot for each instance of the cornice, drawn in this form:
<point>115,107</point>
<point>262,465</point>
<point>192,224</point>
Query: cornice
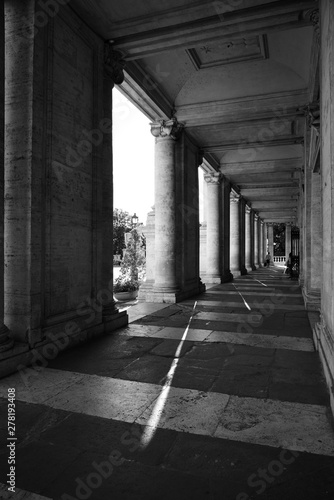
<point>141,40</point>
<point>257,107</point>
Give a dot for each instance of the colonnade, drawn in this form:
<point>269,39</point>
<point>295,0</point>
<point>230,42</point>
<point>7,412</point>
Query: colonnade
<point>243,241</point>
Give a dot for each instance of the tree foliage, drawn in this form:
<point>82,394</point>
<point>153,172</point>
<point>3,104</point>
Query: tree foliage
<point>122,224</point>
<point>133,265</point>
<point>279,239</point>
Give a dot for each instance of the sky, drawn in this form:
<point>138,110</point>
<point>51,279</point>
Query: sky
<point>133,158</point>
<point>133,154</point>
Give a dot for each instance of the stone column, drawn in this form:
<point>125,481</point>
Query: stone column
<point>248,246</point>
<point>256,240</point>
<point>265,236</point>
<point>316,239</point>
<point>271,240</point>
<point>203,232</point>
<point>264,241</point>
<point>205,199</point>
<point>113,73</point>
<point>261,254</point>
<point>6,341</point>
<point>235,234</point>
<point>213,268</point>
<point>166,133</point>
<point>225,230</point>
<point>287,239</point>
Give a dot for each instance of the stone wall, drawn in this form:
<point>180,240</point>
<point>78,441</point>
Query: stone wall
<point>324,331</point>
<point>58,175</point>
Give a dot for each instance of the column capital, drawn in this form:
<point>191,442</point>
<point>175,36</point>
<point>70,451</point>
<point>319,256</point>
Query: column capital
<point>213,178</point>
<point>248,209</point>
<point>313,16</point>
<point>113,65</point>
<point>256,216</point>
<point>262,222</point>
<point>234,197</point>
<point>312,113</point>
<point>167,128</point>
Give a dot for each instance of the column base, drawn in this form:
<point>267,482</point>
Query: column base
<point>324,344</point>
<point>144,289</point>
<point>115,321</point>
<point>6,341</point>
<point>312,298</point>
<point>249,269</point>
<point>169,297</point>
<point>236,273</point>
<point>30,360</point>
<point>212,278</point>
<point>227,276</point>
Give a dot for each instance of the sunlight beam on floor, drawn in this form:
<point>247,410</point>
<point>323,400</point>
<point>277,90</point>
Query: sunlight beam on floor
<point>246,304</point>
<point>153,421</point>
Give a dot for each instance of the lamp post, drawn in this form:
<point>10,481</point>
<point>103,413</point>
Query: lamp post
<point>134,220</point>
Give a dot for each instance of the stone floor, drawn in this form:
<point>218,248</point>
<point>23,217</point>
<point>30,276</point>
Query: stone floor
<point>219,397</point>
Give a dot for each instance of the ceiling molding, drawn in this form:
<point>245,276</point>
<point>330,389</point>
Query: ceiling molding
<point>278,15</point>
<point>145,93</point>
<point>264,106</point>
<point>263,166</point>
<point>235,146</point>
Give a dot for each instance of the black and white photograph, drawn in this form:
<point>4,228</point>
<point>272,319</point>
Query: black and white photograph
<point>166,249</point>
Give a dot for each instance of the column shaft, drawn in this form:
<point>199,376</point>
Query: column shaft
<point>316,234</point>
<point>261,255</point>
<point>248,246</point>
<point>165,216</point>
<point>235,234</point>
<point>109,310</point>
<point>265,239</point>
<point>287,239</point>
<point>256,240</point>
<point>213,248</point>
<point>271,241</point>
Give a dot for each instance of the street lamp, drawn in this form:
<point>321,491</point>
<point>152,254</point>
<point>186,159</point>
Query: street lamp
<point>134,220</point>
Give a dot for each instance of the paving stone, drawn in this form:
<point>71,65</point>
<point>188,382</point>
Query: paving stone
<point>80,432</point>
<point>209,351</point>
<point>316,394</point>
<point>132,481</point>
<point>38,464</point>
<point>172,348</point>
<point>148,368</point>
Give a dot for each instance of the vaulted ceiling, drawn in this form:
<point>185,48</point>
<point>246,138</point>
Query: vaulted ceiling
<point>237,73</point>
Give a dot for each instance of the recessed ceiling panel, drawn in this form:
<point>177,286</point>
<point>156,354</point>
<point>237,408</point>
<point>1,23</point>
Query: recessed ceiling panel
<point>237,50</point>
